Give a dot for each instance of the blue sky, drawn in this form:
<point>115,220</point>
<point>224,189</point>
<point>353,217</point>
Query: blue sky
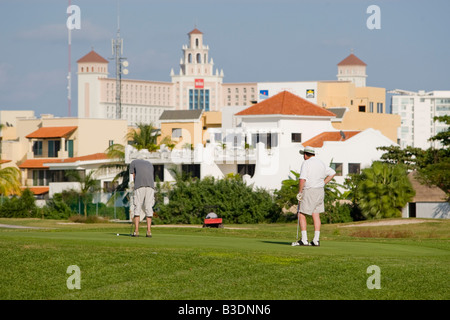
<point>251,40</point>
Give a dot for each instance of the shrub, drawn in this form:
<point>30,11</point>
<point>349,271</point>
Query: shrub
<point>190,200</point>
<point>19,207</point>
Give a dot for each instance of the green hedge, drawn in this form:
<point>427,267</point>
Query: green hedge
<point>190,200</point>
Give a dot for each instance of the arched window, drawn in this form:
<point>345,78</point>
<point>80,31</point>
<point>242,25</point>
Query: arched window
<point>199,58</point>
<point>196,42</point>
<point>189,58</point>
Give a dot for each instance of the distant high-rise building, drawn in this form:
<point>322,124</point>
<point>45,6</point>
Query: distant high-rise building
<point>417,110</point>
<point>197,86</point>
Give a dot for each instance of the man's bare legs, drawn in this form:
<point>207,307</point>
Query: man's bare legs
<point>317,225</point>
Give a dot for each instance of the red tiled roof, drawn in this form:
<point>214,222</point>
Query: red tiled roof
<point>286,103</point>
<point>38,190</point>
<point>51,132</point>
<point>37,163</point>
<point>352,60</point>
<point>41,163</point>
<point>4,161</point>
<point>195,31</point>
<point>317,141</point>
<point>90,157</point>
<point>93,57</point>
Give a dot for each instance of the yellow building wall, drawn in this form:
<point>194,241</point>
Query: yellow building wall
<point>387,124</point>
<point>346,94</point>
<point>191,133</point>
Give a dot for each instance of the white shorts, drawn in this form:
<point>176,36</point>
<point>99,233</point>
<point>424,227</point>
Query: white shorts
<point>143,202</point>
<point>313,201</point>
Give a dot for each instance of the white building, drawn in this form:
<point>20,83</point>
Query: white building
<point>417,110</point>
<point>265,146</point>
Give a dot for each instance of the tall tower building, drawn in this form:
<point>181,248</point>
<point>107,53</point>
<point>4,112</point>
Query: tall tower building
<point>352,69</point>
<point>91,68</point>
<point>197,86</point>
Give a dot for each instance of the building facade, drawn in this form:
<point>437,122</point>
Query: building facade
<point>198,85</point>
<point>417,110</point>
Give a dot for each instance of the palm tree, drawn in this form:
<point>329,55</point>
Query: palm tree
<point>384,190</point>
<point>88,185</point>
<point>9,181</point>
<point>144,137</point>
<point>9,177</point>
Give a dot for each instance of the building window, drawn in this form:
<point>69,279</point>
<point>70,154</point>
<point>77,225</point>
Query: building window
<point>270,140</point>
<point>243,169</point>
<point>199,99</point>
<point>371,107</point>
<point>69,148</point>
<point>37,148</point>
<point>53,148</point>
<point>337,167</point>
<point>379,107</point>
<point>176,133</point>
<point>296,137</point>
<point>192,170</point>
<point>158,172</point>
<point>362,108</point>
<point>354,168</point>
<point>38,177</point>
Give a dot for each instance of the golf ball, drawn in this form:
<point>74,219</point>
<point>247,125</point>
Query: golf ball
<point>117,234</point>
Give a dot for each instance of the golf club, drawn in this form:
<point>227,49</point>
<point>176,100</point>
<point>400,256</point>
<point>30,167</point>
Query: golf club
<point>298,219</point>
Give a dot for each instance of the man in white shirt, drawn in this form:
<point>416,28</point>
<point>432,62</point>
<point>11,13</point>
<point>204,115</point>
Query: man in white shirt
<point>314,175</point>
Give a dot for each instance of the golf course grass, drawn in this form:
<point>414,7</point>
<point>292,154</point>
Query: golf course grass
<point>238,262</point>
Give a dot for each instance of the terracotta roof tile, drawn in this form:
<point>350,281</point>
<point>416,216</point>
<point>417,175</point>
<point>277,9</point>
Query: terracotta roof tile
<point>352,60</point>
<point>317,141</point>
<point>37,163</point>
<point>286,103</point>
<point>93,57</point>
<point>195,31</point>
<point>51,132</point>
<point>38,190</point>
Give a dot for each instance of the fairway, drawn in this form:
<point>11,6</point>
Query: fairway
<point>251,262</point>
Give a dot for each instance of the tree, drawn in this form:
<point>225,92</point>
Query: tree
<point>444,136</point>
<point>9,181</point>
<point>436,167</point>
<point>409,156</point>
<point>144,137</point>
<point>383,190</point>
<point>88,185</point>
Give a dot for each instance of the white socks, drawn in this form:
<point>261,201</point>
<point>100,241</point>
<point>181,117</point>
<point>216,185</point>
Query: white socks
<point>316,236</point>
<point>305,236</point>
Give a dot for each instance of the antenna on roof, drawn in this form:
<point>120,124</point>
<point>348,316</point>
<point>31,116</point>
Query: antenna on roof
<point>117,51</point>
